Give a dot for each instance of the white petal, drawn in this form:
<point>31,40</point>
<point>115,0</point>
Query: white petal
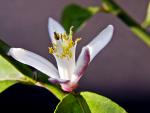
<point>66,66</point>
<point>100,41</point>
<point>82,62</point>
<point>34,60</point>
<point>91,50</point>
<point>54,26</point>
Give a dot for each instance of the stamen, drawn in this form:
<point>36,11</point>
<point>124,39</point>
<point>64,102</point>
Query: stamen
<point>77,40</point>
<point>56,36</point>
<point>64,36</point>
<point>51,50</point>
<point>71,32</point>
<point>63,48</point>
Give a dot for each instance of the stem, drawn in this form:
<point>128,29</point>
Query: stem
<point>38,77</point>
<point>111,7</point>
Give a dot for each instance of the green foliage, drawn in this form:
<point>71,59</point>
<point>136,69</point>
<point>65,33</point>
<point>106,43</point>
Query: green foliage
<point>93,9</point>
<point>75,15</point>
<point>6,83</point>
<point>146,22</point>
<point>8,74</point>
<point>101,104</point>
<point>7,71</point>
<point>88,102</point>
<point>72,104</point>
<point>110,6</point>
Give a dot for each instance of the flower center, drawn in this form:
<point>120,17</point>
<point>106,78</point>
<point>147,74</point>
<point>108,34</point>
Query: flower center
<point>64,44</point>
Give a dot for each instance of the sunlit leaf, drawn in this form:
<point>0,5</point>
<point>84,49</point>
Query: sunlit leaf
<point>101,104</point>
<point>88,102</point>
<point>6,83</point>
<point>93,9</point>
<point>146,22</point>
<point>75,15</point>
<point>7,71</point>
<point>8,74</point>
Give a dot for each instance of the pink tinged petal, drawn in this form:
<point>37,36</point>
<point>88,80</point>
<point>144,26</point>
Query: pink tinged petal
<point>91,50</point>
<point>54,26</point>
<point>34,60</point>
<point>82,62</point>
<point>58,80</point>
<point>100,41</point>
<point>69,87</point>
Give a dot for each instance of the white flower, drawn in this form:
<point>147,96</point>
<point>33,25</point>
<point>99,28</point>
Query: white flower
<point>69,71</point>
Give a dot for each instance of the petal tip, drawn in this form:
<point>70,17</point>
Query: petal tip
<point>9,51</point>
<point>12,50</point>
<point>50,19</point>
<point>111,27</point>
<point>54,26</point>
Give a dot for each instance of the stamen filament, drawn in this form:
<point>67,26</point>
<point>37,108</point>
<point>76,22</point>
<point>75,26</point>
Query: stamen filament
<point>63,48</point>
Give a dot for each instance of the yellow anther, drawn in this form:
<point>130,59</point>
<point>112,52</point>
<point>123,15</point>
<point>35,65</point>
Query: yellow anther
<point>64,36</point>
<point>77,40</point>
<point>51,50</point>
<point>56,36</point>
<point>54,46</point>
<point>63,49</point>
<point>70,44</point>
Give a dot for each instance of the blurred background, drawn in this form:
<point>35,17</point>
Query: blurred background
<point>120,72</point>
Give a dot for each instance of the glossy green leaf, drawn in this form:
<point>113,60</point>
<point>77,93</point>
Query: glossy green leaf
<point>75,15</point>
<point>146,22</point>
<point>6,83</point>
<point>88,102</point>
<point>8,74</point>
<point>93,9</point>
<point>101,104</point>
<point>7,71</point>
<point>72,104</point>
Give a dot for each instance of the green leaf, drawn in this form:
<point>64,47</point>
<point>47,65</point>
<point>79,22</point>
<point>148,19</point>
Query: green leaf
<point>6,83</point>
<point>146,22</point>
<point>75,15</point>
<point>8,74</point>
<point>72,104</point>
<point>101,104</point>
<point>88,102</point>
<point>93,9</point>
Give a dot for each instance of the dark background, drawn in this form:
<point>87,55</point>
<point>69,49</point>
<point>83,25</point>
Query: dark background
<point>120,72</point>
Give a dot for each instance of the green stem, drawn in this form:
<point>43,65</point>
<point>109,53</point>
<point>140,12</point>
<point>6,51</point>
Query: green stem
<point>111,7</point>
<point>38,77</point>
